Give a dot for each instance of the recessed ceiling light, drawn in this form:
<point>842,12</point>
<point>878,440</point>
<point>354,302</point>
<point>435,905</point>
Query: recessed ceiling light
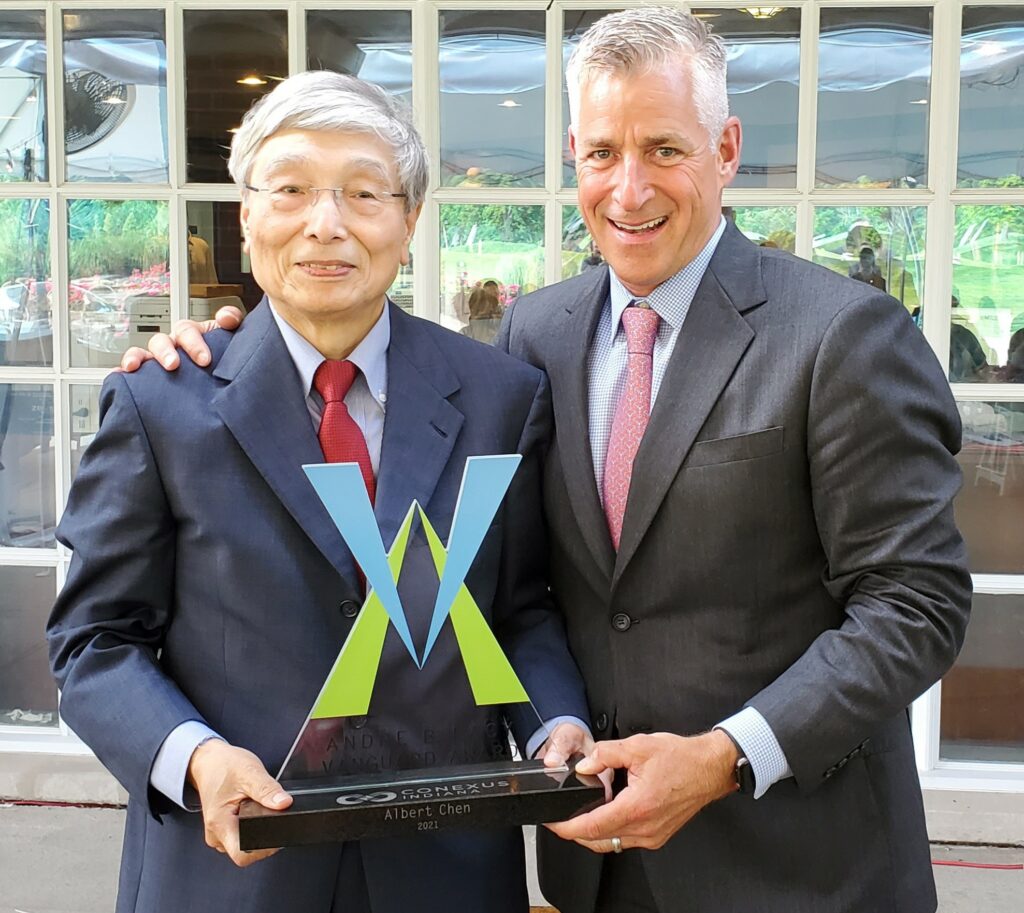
<point>991,49</point>
<point>509,103</point>
<point>251,81</point>
<point>763,12</point>
<point>920,101</point>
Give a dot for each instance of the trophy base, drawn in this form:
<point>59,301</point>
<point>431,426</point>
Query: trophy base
<point>402,803</point>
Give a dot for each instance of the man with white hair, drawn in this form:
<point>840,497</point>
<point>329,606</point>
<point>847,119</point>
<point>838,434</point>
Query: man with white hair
<point>209,592</point>
<point>749,505</point>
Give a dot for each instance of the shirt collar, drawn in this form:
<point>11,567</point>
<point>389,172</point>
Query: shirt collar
<point>671,300</point>
<point>370,356</point>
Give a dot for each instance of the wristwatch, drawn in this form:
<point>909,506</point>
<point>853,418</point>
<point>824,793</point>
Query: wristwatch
<point>744,776</point>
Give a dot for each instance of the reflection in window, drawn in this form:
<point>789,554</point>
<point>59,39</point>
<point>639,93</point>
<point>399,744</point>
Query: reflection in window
<point>490,255</point>
<point>764,86</point>
<point>232,58</point>
<point>84,408</point>
<point>115,95</point>
<point>28,696</point>
<point>218,268</point>
<point>375,45</point>
<point>27,505</point>
<point>982,716</point>
<point>23,95</point>
<point>874,81</point>
<point>26,333</point>
<point>579,252</point>
<point>492,98</point>
<point>990,504</point>
<point>986,342</point>
<point>766,226</point>
<point>991,147</point>
<point>119,282</point>
<point>883,246</point>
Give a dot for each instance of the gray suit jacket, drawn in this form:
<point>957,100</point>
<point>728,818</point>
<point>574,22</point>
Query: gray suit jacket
<point>788,544</point>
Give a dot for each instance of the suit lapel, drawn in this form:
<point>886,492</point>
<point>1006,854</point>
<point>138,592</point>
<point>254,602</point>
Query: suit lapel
<point>568,376</point>
<point>712,341</point>
<point>420,427</point>
<point>264,407</point>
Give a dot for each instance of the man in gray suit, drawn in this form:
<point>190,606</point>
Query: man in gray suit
<point>751,522</point>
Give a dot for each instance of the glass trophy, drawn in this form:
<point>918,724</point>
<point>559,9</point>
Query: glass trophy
<point>408,734</point>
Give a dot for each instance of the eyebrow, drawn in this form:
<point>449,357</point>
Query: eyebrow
<point>291,159</point>
<point>649,142</point>
<point>285,160</point>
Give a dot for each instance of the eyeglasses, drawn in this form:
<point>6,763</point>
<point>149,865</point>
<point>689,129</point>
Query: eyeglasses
<point>361,199</point>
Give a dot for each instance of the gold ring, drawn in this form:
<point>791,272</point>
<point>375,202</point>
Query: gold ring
<point>616,845</point>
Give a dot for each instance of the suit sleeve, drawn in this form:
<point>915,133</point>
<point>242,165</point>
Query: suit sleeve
<point>528,625</point>
<point>883,431</point>
<point>108,622</point>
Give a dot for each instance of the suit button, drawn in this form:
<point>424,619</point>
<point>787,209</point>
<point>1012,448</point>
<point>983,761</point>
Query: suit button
<point>621,621</point>
<point>601,722</point>
<point>349,608</point>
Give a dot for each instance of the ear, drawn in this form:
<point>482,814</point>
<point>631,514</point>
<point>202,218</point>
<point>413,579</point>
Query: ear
<point>243,221</point>
<point>729,146</point>
<point>410,227</point>
<point>572,141</point>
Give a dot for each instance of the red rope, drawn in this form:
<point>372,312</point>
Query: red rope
<point>979,865</point>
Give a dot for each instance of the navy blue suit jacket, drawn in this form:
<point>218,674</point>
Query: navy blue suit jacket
<point>206,583</point>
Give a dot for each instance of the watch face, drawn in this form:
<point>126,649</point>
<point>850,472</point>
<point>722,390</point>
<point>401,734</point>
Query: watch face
<point>745,776</point>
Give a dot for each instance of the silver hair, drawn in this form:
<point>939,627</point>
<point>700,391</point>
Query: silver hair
<point>643,39</point>
<point>322,100</point>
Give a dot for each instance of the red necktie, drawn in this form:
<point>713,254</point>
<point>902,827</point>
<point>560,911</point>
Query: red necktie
<point>631,414</point>
<point>341,439</point>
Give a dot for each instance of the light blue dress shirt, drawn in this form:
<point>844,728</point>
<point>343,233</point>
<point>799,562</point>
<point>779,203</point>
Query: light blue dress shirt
<point>606,378</point>
<point>366,401</point>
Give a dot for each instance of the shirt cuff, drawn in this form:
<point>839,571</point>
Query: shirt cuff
<point>170,768</point>
<point>751,732</point>
<point>541,735</point>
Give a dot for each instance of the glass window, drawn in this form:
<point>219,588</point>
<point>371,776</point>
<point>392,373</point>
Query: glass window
<point>881,245</point>
<point>119,282</point>
<point>115,95</point>
<point>766,226</point>
<point>489,256</point>
<point>23,99</point>
<point>28,695</point>
<point>763,46</point>
<point>574,24</point>
<point>990,504</point>
<point>84,402</point>
<point>26,334</point>
<point>218,268</point>
<point>492,98</point>
<point>874,83</point>
<point>579,252</point>
<point>375,45</point>
<point>232,58</point>
<point>991,147</point>
<point>987,333</point>
<point>27,472</point>
<point>982,716</point>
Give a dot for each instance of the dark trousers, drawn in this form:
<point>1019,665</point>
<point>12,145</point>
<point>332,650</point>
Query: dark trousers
<point>624,887</point>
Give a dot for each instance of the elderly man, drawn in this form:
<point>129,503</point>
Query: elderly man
<point>749,501</point>
<point>209,591</point>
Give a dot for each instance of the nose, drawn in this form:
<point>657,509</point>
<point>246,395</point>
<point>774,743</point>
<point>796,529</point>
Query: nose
<point>632,189</point>
<point>326,218</point>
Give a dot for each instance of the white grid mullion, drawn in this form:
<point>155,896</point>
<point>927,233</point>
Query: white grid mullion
<point>426,96</point>
<point>553,131</point>
<point>807,106</point>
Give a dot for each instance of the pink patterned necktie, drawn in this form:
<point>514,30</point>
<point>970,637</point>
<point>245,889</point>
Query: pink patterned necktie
<point>631,414</point>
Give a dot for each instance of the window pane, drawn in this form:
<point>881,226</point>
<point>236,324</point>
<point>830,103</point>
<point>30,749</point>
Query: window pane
<point>874,80</point>
<point>986,341</point>
<point>375,45</point>
<point>579,252</point>
<point>982,717</point>
<point>991,149</point>
<point>25,283</point>
<point>881,245</point>
<point>489,256</point>
<point>766,226</point>
<point>492,98</point>
<point>85,420</point>
<point>218,268</point>
<point>28,695</point>
<point>574,24</point>
<point>764,88</point>
<point>119,282</point>
<point>232,58</point>
<point>23,99</point>
<point>990,504</point>
<point>27,473</point>
<point>115,95</point>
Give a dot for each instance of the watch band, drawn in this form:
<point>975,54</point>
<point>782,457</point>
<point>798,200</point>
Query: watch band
<point>745,776</point>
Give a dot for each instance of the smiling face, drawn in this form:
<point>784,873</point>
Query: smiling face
<point>650,186</point>
<point>325,265</point>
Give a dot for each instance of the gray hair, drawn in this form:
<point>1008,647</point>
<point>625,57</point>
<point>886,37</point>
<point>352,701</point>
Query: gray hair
<point>322,100</point>
<point>644,39</point>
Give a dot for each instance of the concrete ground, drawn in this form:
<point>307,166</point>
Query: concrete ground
<point>64,860</point>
